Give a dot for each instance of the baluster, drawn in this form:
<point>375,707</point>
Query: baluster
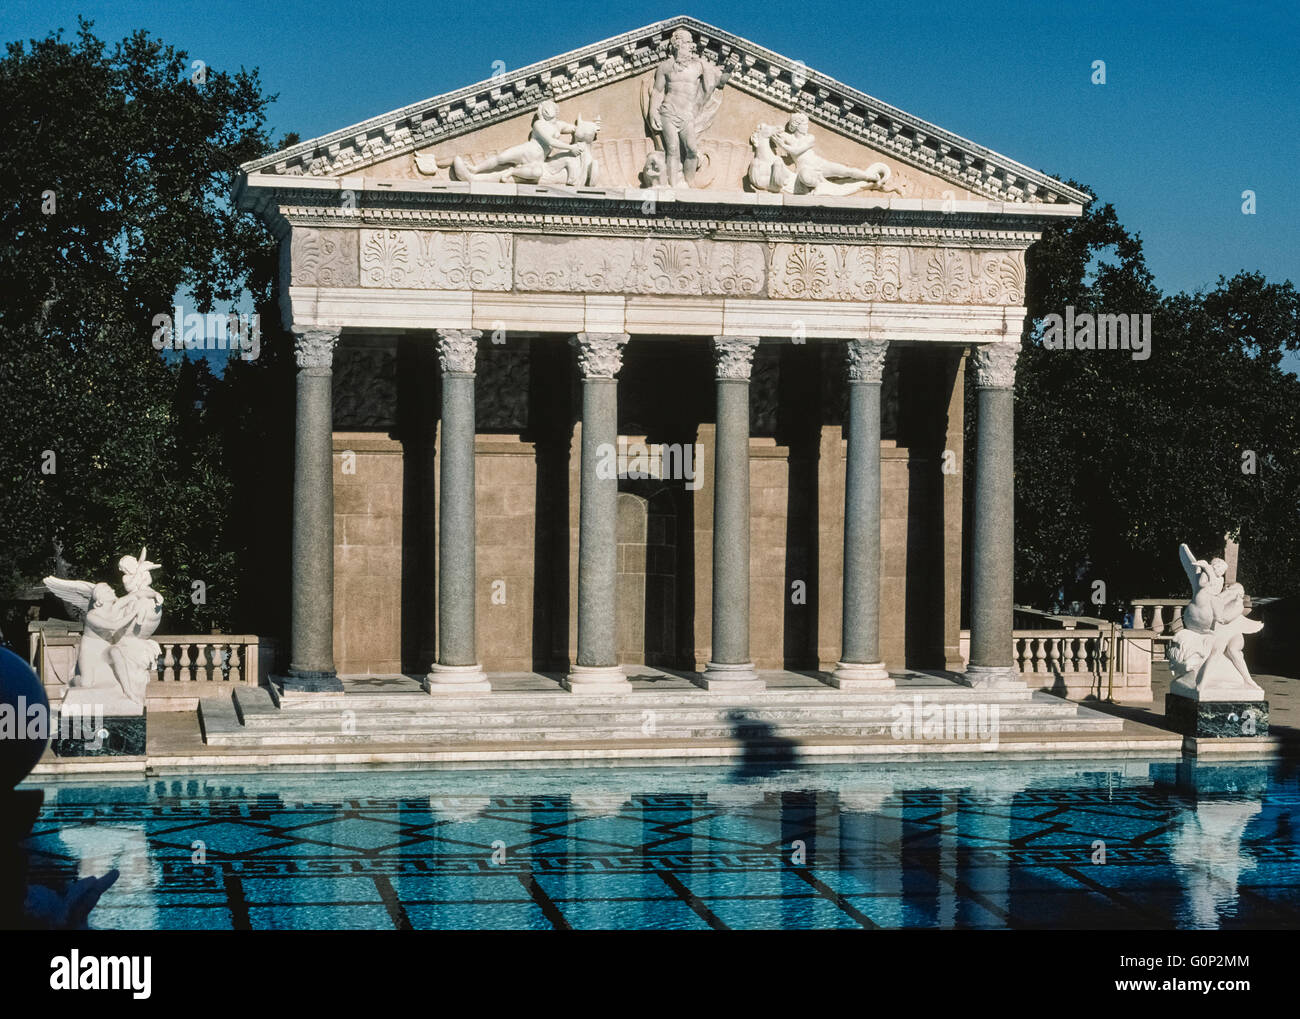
<point>1040,653</point>
<point>191,662</point>
<point>1158,618</point>
<point>169,663</point>
<point>234,675</point>
<point>1138,623</point>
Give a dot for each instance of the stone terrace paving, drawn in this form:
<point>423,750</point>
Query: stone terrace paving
<point>392,723</point>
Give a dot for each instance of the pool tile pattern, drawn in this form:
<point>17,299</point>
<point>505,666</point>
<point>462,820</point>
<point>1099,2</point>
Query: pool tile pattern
<point>211,855</point>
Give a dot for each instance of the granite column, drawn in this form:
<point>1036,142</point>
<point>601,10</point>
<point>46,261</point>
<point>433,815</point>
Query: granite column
<point>457,670</point>
<point>729,667</point>
<point>860,666</point>
<point>311,661</point>
<point>600,356</point>
<point>993,545</point>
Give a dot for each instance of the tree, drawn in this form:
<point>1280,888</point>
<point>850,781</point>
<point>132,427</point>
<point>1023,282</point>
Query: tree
<point>116,174</point>
<point>1119,459</point>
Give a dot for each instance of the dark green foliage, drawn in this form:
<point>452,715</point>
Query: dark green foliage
<point>1119,460</point>
<point>140,160</point>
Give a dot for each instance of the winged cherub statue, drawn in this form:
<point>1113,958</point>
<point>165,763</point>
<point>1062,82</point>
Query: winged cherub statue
<point>1206,654</point>
<point>116,654</point>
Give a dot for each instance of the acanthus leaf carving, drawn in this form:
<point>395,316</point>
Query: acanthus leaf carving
<point>600,355</point>
<point>385,258</point>
<point>995,365</point>
<point>733,356</point>
<point>323,258</point>
<point>458,350</point>
<point>895,273</point>
<point>440,260</point>
<point>644,266</point>
<point>866,360</point>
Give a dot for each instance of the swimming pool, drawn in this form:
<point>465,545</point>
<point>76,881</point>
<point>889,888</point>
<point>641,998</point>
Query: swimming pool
<point>1023,844</point>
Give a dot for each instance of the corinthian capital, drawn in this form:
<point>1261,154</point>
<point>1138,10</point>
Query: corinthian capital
<point>457,349</point>
<point>314,348</point>
<point>733,356</point>
<point>995,365</point>
<point>866,359</point>
<point>600,355</point>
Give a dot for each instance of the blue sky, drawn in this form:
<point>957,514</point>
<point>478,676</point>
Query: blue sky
<point>1199,104</point>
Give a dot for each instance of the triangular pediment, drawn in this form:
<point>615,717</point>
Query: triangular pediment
<point>748,133</point>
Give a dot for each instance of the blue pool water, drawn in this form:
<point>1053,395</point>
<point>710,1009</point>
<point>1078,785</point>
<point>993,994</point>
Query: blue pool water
<point>1022,845</point>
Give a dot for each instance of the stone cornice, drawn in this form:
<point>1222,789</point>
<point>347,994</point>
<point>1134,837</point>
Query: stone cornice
<point>754,223</point>
<point>762,73</point>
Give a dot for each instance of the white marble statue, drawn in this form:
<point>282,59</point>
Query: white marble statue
<point>811,174</point>
<point>682,104</point>
<point>1205,656</point>
<point>116,654</point>
<point>556,152</point>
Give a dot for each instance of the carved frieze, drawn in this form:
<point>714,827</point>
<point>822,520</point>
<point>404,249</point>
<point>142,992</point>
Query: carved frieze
<point>502,388</point>
<point>764,390</point>
<point>625,265</point>
<point>365,387</point>
<point>483,261</point>
<point>844,272</point>
<point>433,260</point>
<point>323,258</point>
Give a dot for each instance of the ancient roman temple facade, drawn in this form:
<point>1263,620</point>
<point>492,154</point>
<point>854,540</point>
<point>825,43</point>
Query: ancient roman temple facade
<point>653,354</point>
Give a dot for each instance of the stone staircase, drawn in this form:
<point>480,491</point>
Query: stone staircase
<point>400,714</point>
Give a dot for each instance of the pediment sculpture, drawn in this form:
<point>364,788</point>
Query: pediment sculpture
<point>682,104</point>
<point>786,161</point>
<point>116,652</point>
<point>556,152</point>
<point>1205,656</point>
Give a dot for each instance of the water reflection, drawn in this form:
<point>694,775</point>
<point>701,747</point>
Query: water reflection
<point>1031,844</point>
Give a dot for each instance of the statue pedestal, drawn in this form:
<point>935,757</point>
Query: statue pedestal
<point>1229,719</point>
<point>83,731</point>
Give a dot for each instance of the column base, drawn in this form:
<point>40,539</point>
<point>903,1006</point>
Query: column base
<point>719,677</point>
<point>303,679</point>
<point>597,679</point>
<point>860,676</point>
<point>992,677</point>
<point>444,680</point>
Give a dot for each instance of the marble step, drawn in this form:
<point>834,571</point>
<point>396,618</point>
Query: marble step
<point>222,725</point>
<point>435,721</point>
<point>560,700</point>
